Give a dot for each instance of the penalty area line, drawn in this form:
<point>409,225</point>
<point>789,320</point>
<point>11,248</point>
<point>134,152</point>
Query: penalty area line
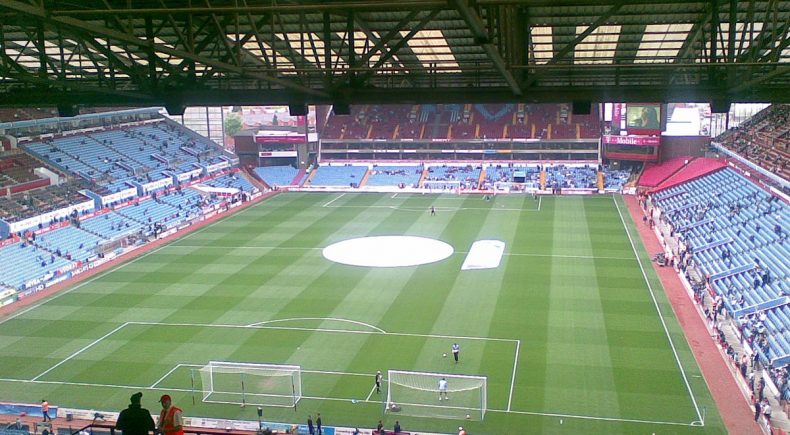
<point>336,198</point>
<point>168,374</point>
<point>371,393</point>
<point>513,376</point>
<point>84,348</point>
<point>340,331</point>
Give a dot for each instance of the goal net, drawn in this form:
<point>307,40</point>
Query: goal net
<point>443,186</point>
<point>418,394</point>
<point>251,383</point>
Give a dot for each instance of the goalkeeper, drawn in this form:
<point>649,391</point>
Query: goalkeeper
<point>378,381</point>
<point>443,389</point>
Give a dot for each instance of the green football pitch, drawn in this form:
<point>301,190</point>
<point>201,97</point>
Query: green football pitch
<point>572,330</point>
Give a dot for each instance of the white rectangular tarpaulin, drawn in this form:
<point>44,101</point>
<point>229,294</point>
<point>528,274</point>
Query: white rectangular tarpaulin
<point>484,254</point>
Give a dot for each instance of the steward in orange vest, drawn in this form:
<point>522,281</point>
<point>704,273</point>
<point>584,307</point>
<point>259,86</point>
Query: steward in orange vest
<point>170,419</point>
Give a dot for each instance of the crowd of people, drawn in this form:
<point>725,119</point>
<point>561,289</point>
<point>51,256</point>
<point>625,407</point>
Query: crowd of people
<point>764,139</point>
<point>723,209</point>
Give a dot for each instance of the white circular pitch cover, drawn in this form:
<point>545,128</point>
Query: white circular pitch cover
<point>388,251</point>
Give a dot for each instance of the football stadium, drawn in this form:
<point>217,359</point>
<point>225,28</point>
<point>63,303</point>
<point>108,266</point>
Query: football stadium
<point>376,217</point>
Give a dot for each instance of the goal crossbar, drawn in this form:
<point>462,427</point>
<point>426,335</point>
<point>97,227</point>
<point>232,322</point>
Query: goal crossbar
<point>251,383</point>
<point>440,395</point>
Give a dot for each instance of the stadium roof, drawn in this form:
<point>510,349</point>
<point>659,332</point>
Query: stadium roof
<point>205,52</point>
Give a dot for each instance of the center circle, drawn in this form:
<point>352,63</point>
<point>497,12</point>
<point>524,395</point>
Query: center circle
<point>388,251</point>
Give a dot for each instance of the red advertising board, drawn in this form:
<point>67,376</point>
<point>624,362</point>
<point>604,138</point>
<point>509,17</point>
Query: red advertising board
<point>10,241</point>
<point>632,140</point>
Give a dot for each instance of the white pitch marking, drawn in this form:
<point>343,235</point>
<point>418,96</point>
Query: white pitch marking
<point>586,257</point>
<point>285,248</point>
<point>394,195</point>
<point>120,266</point>
<point>439,208</point>
<point>371,392</point>
<point>337,399</point>
<point>90,280</point>
<point>336,319</point>
<point>658,310</point>
<point>320,372</point>
<point>93,343</point>
<point>513,376</point>
<point>342,331</point>
<point>167,374</point>
<point>589,417</point>
<point>336,198</point>
<point>516,254</point>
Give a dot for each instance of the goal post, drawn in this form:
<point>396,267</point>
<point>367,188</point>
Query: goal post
<point>245,383</point>
<point>418,394</point>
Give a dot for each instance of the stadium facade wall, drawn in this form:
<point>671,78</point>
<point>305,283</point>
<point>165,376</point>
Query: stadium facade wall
<point>676,146</point>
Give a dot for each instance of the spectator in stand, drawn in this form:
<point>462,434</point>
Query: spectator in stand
<point>16,425</point>
<point>135,420</point>
<point>767,411</point>
<point>757,410</point>
<point>170,419</point>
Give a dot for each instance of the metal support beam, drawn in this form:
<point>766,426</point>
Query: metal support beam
<point>68,22</point>
<point>152,57</point>
<point>458,95</point>
<point>747,86</point>
<point>481,36</point>
<point>690,44</point>
<point>564,51</point>
<point>733,22</point>
<point>352,76</point>
<point>10,69</point>
<point>386,39</point>
<point>327,22</point>
<point>394,49</point>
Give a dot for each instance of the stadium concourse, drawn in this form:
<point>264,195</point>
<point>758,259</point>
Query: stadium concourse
<point>82,197</point>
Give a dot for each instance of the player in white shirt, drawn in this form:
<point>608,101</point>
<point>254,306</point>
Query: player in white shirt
<point>456,351</point>
<point>443,389</point>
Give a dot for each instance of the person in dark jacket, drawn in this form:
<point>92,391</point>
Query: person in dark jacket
<point>135,420</point>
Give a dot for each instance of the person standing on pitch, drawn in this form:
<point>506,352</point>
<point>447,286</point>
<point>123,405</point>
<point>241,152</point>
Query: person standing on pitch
<point>456,351</point>
<point>171,420</point>
<point>135,420</point>
<point>378,381</point>
<point>318,424</point>
<point>310,427</point>
<point>433,211</point>
<point>443,389</point>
